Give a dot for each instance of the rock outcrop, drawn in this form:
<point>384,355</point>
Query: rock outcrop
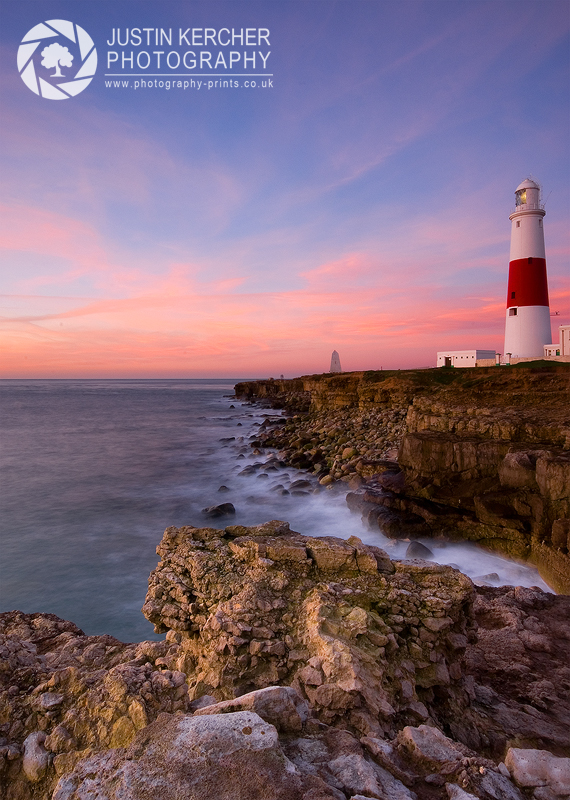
<point>482,454</point>
<point>64,695</point>
<point>293,668</point>
<point>363,639</point>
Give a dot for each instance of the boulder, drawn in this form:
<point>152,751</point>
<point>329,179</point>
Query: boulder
<point>357,775</point>
<point>429,746</point>
<point>222,510</point>
<point>36,757</point>
<point>498,787</point>
<point>418,550</point>
<point>361,797</point>
<point>534,768</point>
<point>227,756</point>
<point>280,706</point>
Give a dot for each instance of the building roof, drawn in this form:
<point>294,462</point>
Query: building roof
<point>527,184</point>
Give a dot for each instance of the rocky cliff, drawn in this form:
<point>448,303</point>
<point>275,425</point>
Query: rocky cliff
<point>293,668</point>
<point>482,454</point>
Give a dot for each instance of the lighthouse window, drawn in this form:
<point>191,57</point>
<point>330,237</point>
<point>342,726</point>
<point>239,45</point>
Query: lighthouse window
<point>513,312</point>
<point>518,224</point>
<point>540,223</point>
<point>530,260</point>
<point>512,295</point>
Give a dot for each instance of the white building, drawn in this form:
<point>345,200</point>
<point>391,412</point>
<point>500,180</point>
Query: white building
<point>563,346</point>
<point>462,358</point>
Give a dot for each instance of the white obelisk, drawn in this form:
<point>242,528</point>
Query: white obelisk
<point>335,362</point>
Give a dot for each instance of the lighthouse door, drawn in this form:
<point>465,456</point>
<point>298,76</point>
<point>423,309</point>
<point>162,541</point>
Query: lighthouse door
<point>447,361</point>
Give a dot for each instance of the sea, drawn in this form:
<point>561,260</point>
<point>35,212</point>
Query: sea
<point>93,471</point>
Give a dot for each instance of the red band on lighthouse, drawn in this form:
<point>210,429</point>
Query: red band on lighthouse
<point>528,284</point>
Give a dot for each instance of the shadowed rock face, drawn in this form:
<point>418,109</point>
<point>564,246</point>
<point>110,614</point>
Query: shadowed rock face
<point>518,671</point>
<point>362,638</point>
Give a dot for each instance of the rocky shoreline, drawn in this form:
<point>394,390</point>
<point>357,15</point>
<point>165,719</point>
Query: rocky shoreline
<point>480,455</point>
<point>294,668</point>
<point>301,668</point>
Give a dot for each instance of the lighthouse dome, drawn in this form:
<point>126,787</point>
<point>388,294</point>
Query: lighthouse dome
<point>527,184</point>
<point>527,195</point>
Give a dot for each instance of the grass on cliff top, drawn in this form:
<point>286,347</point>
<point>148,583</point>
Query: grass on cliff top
<point>549,366</point>
<point>475,379</point>
<point>421,377</point>
<point>447,375</point>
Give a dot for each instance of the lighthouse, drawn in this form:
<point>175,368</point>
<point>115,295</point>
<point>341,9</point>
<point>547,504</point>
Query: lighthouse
<point>527,327</point>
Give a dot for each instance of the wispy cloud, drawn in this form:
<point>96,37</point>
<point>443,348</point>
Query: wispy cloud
<point>361,205</point>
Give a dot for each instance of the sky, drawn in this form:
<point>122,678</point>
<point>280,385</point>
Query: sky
<point>356,198</point>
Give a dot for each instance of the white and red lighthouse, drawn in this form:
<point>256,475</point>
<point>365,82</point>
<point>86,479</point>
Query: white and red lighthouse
<point>527,327</point>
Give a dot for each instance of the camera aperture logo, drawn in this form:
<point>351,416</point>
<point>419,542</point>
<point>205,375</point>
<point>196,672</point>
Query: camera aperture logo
<point>57,59</point>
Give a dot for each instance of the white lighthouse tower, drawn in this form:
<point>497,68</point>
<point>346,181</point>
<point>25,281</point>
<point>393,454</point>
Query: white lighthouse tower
<point>527,327</point>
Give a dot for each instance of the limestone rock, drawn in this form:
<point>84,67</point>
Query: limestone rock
<point>280,706</point>
<point>498,787</point>
<point>429,746</point>
<point>386,755</point>
<point>64,695</point>
<point>36,756</point>
<point>51,700</point>
<point>351,660</point>
<point>359,776</point>
<point>361,797</point>
<point>433,752</point>
<point>227,756</point>
<point>335,619</point>
<point>533,768</point>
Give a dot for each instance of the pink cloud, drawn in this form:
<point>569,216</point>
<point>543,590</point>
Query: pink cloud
<point>175,323</point>
<point>217,333</point>
<point>45,233</point>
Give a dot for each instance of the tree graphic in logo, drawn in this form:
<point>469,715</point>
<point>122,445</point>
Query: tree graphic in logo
<point>55,55</point>
<point>70,45</point>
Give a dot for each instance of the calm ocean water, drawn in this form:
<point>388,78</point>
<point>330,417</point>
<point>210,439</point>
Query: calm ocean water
<point>93,471</point>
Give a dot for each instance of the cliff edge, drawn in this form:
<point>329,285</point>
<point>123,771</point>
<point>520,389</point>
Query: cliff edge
<point>479,454</point>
